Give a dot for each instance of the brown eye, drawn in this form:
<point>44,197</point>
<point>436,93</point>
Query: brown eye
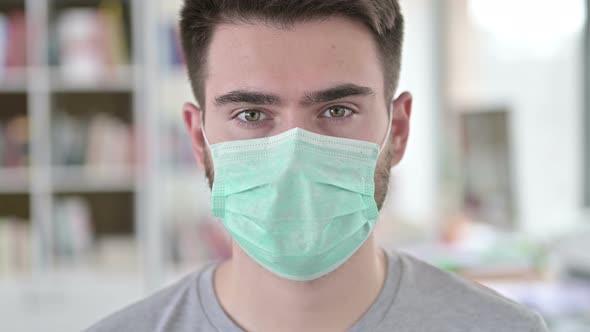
<point>251,116</point>
<point>337,112</point>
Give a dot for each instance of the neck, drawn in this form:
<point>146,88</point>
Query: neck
<point>257,300</point>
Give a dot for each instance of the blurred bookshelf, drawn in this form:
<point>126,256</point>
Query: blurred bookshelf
<point>14,145</point>
<point>72,159</point>
<point>98,185</point>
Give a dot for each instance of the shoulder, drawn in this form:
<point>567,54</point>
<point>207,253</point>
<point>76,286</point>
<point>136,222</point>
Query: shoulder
<point>445,297</point>
<point>157,311</point>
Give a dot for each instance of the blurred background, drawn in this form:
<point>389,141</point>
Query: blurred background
<point>101,202</point>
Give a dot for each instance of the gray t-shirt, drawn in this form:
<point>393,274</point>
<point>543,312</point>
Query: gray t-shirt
<point>416,296</point>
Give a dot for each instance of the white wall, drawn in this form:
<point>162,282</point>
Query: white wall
<point>546,97</point>
<point>413,190</point>
<point>544,94</point>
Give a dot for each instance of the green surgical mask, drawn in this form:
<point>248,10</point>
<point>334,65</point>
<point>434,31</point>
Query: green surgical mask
<point>298,203</point>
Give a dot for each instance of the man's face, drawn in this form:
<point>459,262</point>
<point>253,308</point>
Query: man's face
<point>322,76</point>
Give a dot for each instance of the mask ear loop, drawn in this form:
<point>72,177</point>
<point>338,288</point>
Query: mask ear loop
<point>203,129</point>
<point>389,125</point>
<point>205,134</point>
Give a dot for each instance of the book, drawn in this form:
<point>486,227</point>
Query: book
<point>93,42</point>
<point>3,144</point>
<point>73,232</point>
<point>175,46</point>
<point>69,136</point>
<point>16,54</point>
<point>99,140</point>
<point>3,45</point>
<point>81,56</point>
<point>114,36</point>
<point>14,145</point>
<point>109,144</point>
<point>15,246</point>
<point>171,54</point>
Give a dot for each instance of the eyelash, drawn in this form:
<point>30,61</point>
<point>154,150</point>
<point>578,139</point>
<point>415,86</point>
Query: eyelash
<point>256,124</point>
<point>248,124</point>
<point>324,110</point>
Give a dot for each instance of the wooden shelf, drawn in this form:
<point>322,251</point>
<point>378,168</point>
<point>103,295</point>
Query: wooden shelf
<point>120,80</point>
<point>71,179</point>
<point>13,81</point>
<point>13,86</point>
<point>89,179</point>
<point>14,180</point>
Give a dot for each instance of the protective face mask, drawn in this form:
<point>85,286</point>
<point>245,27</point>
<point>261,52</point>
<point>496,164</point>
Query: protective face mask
<point>298,203</point>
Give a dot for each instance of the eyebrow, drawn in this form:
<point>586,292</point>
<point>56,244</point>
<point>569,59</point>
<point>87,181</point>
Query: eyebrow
<point>316,97</point>
<point>336,92</point>
<point>246,97</point>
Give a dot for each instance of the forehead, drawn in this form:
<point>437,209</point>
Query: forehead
<point>289,61</point>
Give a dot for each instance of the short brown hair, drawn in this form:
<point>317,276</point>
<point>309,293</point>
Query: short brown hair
<point>199,18</point>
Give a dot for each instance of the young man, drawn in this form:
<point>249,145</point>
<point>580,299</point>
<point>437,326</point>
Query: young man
<point>297,130</point>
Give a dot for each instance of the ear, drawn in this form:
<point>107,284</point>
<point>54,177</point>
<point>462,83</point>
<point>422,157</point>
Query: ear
<point>400,126</point>
<point>192,120</point>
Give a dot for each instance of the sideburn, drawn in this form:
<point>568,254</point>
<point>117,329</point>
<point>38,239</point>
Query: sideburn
<point>382,174</point>
<point>209,171</point>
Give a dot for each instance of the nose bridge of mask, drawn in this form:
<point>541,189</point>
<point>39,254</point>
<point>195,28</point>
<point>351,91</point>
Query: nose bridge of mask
<point>381,146</point>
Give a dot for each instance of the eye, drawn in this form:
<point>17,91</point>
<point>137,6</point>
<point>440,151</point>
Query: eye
<point>252,116</point>
<point>337,112</point>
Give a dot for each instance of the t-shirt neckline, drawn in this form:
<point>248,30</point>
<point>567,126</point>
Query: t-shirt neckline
<point>368,322</point>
